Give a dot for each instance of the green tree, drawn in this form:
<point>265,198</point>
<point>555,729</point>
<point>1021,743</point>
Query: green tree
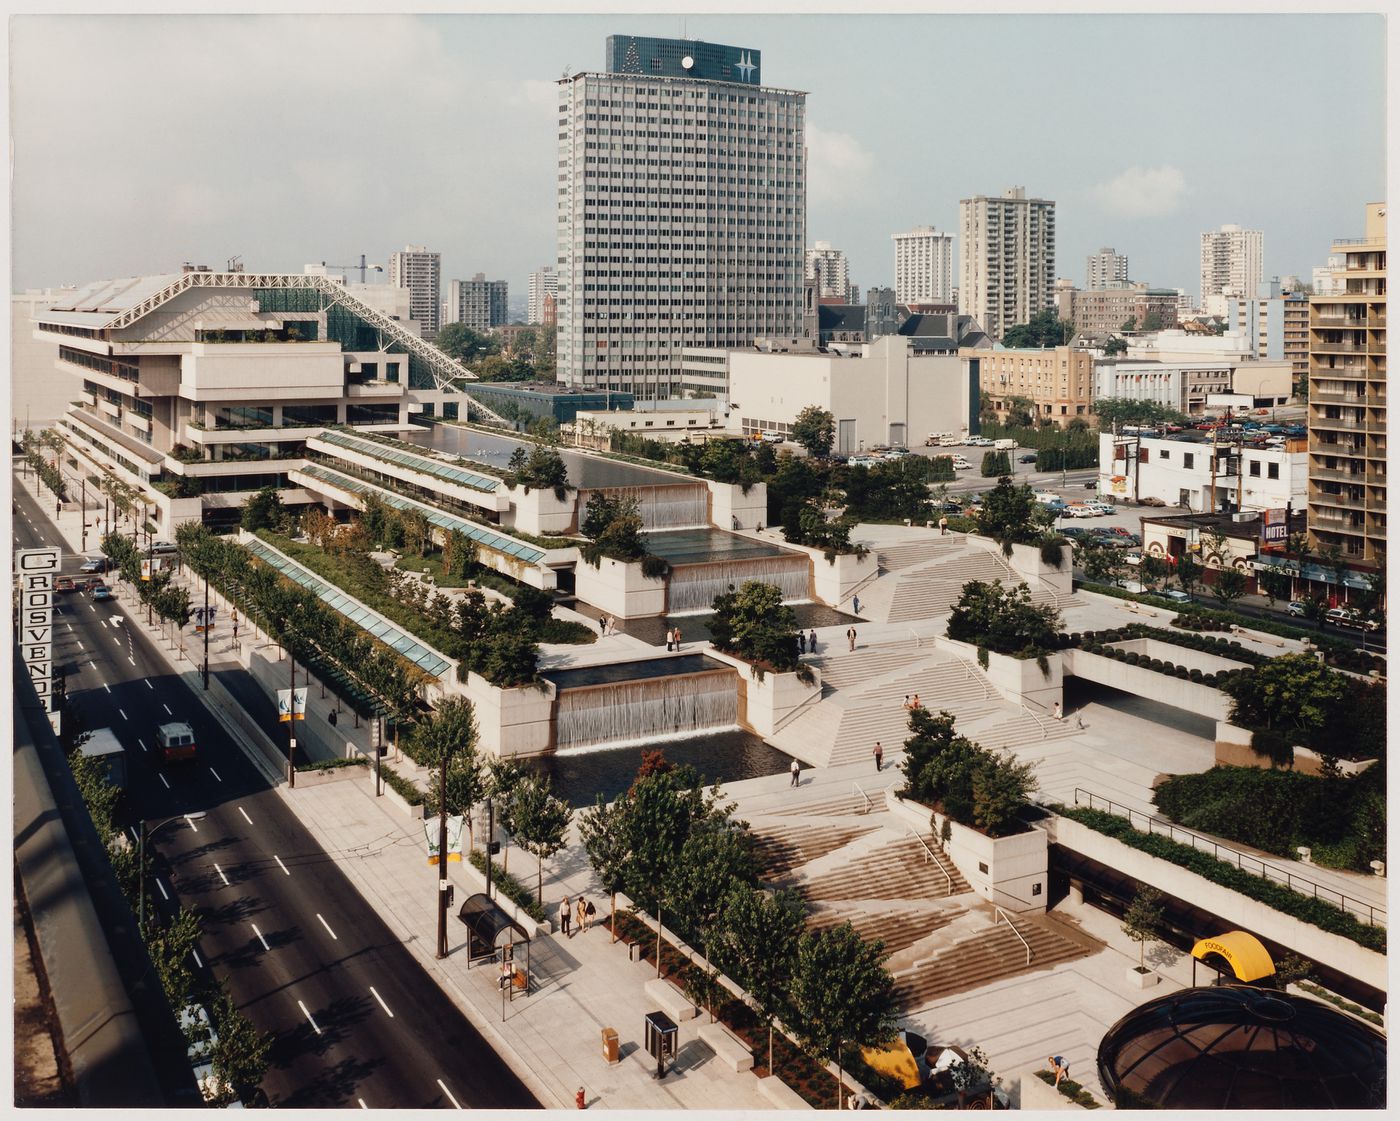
<point>1152,321</point>
<point>1188,572</point>
<point>603,831</point>
<point>1129,324</point>
<point>1292,690</point>
<point>1143,920</point>
<point>1010,515</point>
<point>1153,571</point>
<point>459,341</point>
<point>1275,585</point>
<point>1115,346</point>
<point>1114,412</point>
<point>1230,584</point>
<point>714,858</point>
<point>1003,620</point>
<point>754,940</point>
<point>1000,791</point>
<point>264,510</point>
<point>841,993</point>
<point>755,625</point>
<point>540,823</point>
<point>996,465</point>
<point>240,1053</point>
<point>1044,329</point>
<point>815,429</point>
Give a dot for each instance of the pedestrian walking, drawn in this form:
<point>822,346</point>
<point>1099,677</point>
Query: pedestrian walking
<point>916,703</point>
<point>879,753</point>
<point>851,638</point>
<point>801,643</point>
<point>812,642</point>
<point>670,637</point>
<point>602,625</point>
<point>943,527</point>
<point>1057,712</point>
<point>678,639</point>
<point>855,603</point>
<point>564,916</point>
<point>612,625</point>
<point>794,770</point>
<point>578,912</point>
<point>588,912</point>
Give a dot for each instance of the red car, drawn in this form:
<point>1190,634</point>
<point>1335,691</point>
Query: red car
<point>65,584</point>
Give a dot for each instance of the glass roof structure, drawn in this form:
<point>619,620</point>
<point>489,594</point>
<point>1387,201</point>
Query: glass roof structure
<point>368,621</point>
<point>510,546</point>
<point>420,463</point>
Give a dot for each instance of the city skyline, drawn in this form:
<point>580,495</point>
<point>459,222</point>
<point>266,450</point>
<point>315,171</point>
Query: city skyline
<point>1102,128</point>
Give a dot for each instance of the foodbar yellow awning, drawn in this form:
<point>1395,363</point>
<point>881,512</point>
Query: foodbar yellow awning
<point>1244,952</point>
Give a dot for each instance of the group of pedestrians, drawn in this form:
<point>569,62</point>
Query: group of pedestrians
<point>605,625</point>
<point>806,643</point>
<point>580,914</point>
<point>673,638</point>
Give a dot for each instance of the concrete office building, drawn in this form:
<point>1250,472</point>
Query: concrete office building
<point>1185,385</point>
<point>1346,401</point>
<point>1007,274</point>
<point>1325,279</point>
<point>478,303</point>
<point>923,266</point>
<point>1274,324</point>
<point>37,398</point>
<point>1105,269</point>
<point>1231,258</point>
<point>830,271</point>
<point>543,284</point>
<point>1101,312</point>
<point>420,271</point>
<point>1181,470</point>
<point>693,238</point>
<point>1059,382</point>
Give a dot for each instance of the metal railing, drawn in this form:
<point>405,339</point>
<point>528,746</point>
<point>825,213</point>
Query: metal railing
<point>1245,862</point>
<point>797,710</point>
<point>928,855</point>
<point>856,787</point>
<point>1012,925</point>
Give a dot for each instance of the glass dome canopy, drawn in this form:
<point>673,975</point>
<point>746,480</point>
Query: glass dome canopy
<point>1240,1047</point>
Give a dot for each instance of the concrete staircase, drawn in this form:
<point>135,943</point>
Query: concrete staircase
<point>926,590</point>
<point>897,869</point>
<point>897,928</point>
<point>783,848</point>
<point>891,558</point>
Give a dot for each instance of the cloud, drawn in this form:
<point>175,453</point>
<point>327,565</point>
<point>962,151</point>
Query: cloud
<point>837,166</point>
<point>1142,192</point>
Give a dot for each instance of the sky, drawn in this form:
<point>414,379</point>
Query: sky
<point>140,142</point>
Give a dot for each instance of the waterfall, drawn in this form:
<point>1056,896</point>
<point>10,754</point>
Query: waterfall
<point>668,506</point>
<point>693,587</point>
<point>645,710</point>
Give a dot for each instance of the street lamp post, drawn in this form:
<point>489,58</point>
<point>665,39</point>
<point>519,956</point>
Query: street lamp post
<point>198,815</point>
<point>206,631</point>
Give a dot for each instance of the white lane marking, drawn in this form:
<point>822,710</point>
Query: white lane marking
<point>167,708</point>
<point>381,1001</point>
<point>133,662</point>
<point>142,744</point>
<point>124,715</point>
<point>79,641</point>
<point>69,626</point>
<point>92,608</point>
<point>279,861</point>
<point>191,823</point>
<point>362,1103</point>
<point>163,892</point>
<point>260,937</point>
<point>221,875</point>
<point>149,686</point>
<point>317,1029</point>
<point>215,773</point>
<point>166,781</point>
<point>448,1092</point>
<point>116,640</point>
<point>135,836</point>
<point>246,818</point>
<point>197,960</point>
<point>327,926</point>
<point>104,623</point>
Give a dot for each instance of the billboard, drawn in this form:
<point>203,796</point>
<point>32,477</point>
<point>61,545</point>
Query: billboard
<point>1273,527</point>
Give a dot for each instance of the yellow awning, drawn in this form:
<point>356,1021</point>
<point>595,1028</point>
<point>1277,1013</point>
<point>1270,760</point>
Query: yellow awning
<point>1245,953</point>
<point>894,1060</point>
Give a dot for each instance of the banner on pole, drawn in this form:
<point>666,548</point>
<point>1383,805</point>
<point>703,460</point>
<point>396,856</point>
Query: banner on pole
<point>454,839</point>
<point>284,704</point>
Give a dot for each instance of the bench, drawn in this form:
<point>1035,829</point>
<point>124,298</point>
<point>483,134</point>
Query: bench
<point>781,1094</point>
<point>728,1047</point>
<point>669,999</point>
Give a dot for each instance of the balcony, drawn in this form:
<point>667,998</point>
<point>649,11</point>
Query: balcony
<point>1335,424</point>
<point>1353,399</point>
<point>1323,346</point>
<point>1337,475</point>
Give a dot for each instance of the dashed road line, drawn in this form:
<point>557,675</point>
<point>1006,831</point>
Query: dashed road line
<point>246,818</point>
<point>381,1001</point>
<point>192,825</point>
<point>133,663</point>
<point>318,1030</point>
<point>142,744</point>
<point>362,1103</point>
<point>221,875</point>
<point>124,715</point>
<point>149,686</point>
<point>197,960</point>
<point>279,860</point>
<point>167,708</point>
<point>327,926</point>
<point>166,781</point>
<point>448,1092</point>
<point>215,774</point>
<point>163,892</point>
<point>260,937</point>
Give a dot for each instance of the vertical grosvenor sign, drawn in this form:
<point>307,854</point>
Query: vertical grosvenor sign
<point>36,569</point>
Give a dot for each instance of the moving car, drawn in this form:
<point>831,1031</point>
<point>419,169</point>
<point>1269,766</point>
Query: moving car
<point>94,564</point>
<point>164,548</point>
<point>196,1027</point>
<point>176,741</point>
<point>64,584</point>
<point>1296,608</point>
<point>1350,617</point>
<point>101,593</point>
<point>1176,595</point>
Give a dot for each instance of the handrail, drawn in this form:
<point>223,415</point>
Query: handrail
<point>856,787</point>
<point>791,716</point>
<point>987,690</point>
<point>929,853</point>
<point>1014,931</point>
<point>869,579</point>
<point>1376,916</point>
<point>918,642</point>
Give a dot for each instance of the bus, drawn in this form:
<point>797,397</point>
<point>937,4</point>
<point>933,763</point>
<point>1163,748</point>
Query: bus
<point>176,741</point>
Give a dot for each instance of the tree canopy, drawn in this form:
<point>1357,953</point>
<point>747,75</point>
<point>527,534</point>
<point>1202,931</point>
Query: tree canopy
<point>461,342</point>
<point>1044,329</point>
<point>815,429</point>
<point>754,624</point>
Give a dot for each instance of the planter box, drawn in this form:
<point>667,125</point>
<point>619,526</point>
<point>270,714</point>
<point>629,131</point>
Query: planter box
<point>781,1094</point>
<point>619,588</point>
<point>1011,872</point>
<point>1233,748</point>
<point>1019,680</point>
<point>512,722</point>
<point>1204,700</point>
<point>729,504</point>
<point>764,705</point>
<point>1145,979</point>
<point>1041,1096</point>
<point>397,801</point>
<point>538,512</point>
<point>332,774</point>
<point>1180,655</point>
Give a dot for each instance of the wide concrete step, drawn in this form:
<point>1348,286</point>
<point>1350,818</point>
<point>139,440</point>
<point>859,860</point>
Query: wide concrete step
<point>891,558</point>
<point>896,928</point>
<point>780,850</point>
<point>896,870</point>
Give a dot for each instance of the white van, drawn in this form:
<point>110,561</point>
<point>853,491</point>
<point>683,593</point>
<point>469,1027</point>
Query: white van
<point>960,463</point>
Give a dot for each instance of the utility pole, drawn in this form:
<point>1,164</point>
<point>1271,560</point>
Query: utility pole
<point>206,631</point>
<point>83,480</point>
<point>292,718</point>
<point>442,858</point>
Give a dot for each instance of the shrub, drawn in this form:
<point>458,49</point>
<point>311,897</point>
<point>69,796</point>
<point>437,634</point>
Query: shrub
<point>510,887</point>
<point>1003,620</point>
<point>400,785</point>
<point>332,764</point>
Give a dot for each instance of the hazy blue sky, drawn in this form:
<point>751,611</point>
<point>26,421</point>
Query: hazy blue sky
<point>143,141</point>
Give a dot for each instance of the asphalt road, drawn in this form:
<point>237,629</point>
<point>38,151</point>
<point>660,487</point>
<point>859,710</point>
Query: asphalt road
<point>356,1020</point>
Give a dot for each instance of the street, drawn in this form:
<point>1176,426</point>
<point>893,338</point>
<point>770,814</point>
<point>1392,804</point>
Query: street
<point>356,1020</point>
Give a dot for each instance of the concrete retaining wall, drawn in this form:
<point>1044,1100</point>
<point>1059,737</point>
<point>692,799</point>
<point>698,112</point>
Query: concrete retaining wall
<point>1178,655</point>
<point>1233,748</point>
<point>538,512</point>
<point>730,505</point>
<point>1019,680</point>
<point>1205,700</point>
<point>764,705</point>
<point>619,588</point>
<point>512,721</point>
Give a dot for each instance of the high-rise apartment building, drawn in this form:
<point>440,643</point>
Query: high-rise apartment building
<point>923,266</point>
<point>543,284</point>
<point>1324,278</point>
<point>478,303</point>
<point>682,211</point>
<point>1007,275</point>
<point>1106,269</point>
<point>1274,324</point>
<point>420,271</point>
<point>1230,258</point>
<point>830,270</point>
<point>1346,401</point>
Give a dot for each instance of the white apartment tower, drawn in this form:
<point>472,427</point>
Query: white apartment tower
<point>478,303</point>
<point>1106,269</point>
<point>543,282</point>
<point>1007,275</point>
<point>923,266</point>
<point>1231,258</point>
<point>831,268</point>
<point>681,211</point>
<point>420,271</point>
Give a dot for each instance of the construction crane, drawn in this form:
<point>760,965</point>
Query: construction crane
<point>361,266</point>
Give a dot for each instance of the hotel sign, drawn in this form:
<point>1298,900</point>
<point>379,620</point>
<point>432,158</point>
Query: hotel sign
<point>36,569</point>
<point>1273,527</point>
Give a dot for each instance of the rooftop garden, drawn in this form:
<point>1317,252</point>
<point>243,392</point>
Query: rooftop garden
<point>1005,621</point>
<point>754,625</point>
<point>615,529</point>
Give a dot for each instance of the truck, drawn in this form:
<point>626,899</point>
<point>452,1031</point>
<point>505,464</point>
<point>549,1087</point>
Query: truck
<point>104,747</point>
<point>1006,445</point>
<point>176,741</point>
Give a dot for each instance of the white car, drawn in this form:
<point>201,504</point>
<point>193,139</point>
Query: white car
<point>1078,511</point>
<point>201,1038</point>
<point>897,453</point>
<point>960,464</point>
<point>863,461</point>
<point>1101,507</point>
<point>978,442</point>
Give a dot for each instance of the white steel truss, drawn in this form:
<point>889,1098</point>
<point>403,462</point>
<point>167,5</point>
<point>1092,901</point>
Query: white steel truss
<point>448,374</point>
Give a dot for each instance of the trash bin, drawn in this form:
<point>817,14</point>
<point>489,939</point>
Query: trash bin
<point>634,951</point>
<point>610,1045</point>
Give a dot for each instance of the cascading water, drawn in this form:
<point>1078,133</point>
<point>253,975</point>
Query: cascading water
<point>643,710</point>
<point>669,506</point>
<point>693,587</point>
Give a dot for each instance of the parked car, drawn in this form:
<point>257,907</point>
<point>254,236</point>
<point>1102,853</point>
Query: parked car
<point>1077,531</point>
<point>1176,595</point>
<point>897,453</point>
<point>1151,501</point>
<point>95,564</point>
<point>64,584</point>
<point>863,461</point>
<point>1296,608</point>
<point>197,1028</point>
<point>1077,510</point>
<point>978,442</point>
<point>165,548</point>
<point>1027,459</point>
<point>1350,617</point>
<point>952,507</point>
<point>961,464</point>
<point>1092,484</point>
<point>102,593</point>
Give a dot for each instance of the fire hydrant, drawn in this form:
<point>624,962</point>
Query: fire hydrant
<point>578,1098</point>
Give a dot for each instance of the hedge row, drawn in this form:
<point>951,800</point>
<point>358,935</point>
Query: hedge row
<point>1157,665</point>
<point>1223,647</point>
<point>401,786</point>
<point>1315,912</point>
<point>1070,1089</point>
<point>333,764</point>
<point>509,886</point>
